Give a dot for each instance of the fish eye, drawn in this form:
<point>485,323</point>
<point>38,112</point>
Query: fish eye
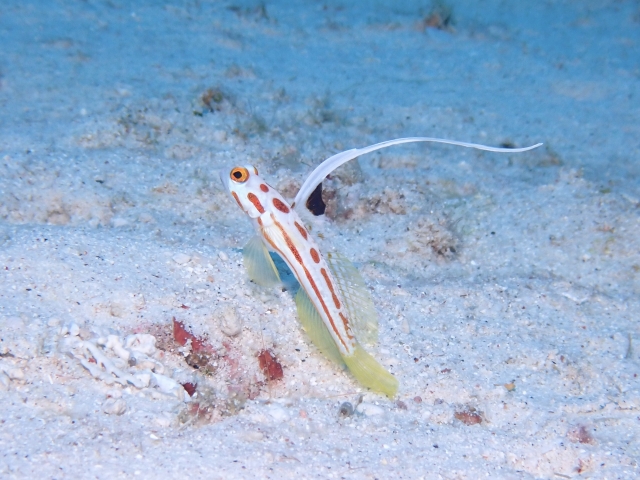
<point>239,175</point>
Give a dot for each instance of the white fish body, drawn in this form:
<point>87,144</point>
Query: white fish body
<point>282,230</point>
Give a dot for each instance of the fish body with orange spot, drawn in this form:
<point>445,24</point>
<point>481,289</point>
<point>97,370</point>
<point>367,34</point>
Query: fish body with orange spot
<point>282,231</point>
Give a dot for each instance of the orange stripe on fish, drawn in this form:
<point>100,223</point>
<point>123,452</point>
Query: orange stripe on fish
<point>302,230</point>
<point>256,203</point>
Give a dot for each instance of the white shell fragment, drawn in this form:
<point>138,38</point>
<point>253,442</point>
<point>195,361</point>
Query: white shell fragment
<point>14,373</point>
<point>114,343</point>
<point>4,381</point>
<point>114,406</point>
<point>53,322</point>
<point>181,258</point>
<point>369,409</point>
<point>219,135</point>
<point>168,385</point>
<point>126,362</point>
<point>141,342</point>
<point>74,330</point>
<point>230,323</point>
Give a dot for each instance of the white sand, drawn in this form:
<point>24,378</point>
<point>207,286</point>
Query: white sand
<point>507,285</point>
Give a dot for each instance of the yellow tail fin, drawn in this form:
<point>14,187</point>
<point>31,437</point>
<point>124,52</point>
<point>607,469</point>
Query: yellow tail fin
<point>370,373</point>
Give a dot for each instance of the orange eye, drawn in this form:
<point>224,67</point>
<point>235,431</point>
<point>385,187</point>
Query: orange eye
<point>239,174</point>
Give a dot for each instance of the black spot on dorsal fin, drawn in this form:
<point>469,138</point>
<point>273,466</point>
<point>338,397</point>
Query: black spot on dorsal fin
<point>315,204</point>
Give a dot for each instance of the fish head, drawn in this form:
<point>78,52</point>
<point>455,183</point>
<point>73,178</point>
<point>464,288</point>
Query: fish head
<point>248,189</point>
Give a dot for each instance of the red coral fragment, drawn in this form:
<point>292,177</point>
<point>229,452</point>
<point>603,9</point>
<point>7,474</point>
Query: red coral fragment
<point>181,335</point>
<point>194,408</point>
<point>468,416</point>
<point>190,388</point>
<point>269,365</point>
<point>580,434</point>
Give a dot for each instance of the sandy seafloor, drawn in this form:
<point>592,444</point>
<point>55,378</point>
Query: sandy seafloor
<point>506,285</point>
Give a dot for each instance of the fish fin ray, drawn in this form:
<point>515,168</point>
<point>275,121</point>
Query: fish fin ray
<point>363,317</point>
<point>259,264</point>
<point>370,373</point>
<point>316,329</point>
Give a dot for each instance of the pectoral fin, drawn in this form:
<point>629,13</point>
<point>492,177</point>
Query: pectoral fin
<point>259,265</point>
<point>315,327</point>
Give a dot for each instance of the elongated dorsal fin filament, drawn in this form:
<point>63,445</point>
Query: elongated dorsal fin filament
<point>331,163</point>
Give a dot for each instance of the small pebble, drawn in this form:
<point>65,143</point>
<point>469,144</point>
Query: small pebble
<point>145,218</point>
<point>219,135</point>
<point>278,413</point>
<point>468,416</point>
<point>13,323</point>
<point>370,410</point>
<point>74,330</point>
<point>4,381</point>
<point>181,258</point>
<point>114,393</point>
<point>252,436</point>
<point>223,256</point>
<point>141,342</point>
<point>346,409</point>
<point>114,343</point>
<point>118,222</point>
<point>270,365</point>
<point>580,434</point>
<point>230,323</point>
<point>169,386</point>
<point>15,373</point>
<point>406,328</point>
<point>190,388</point>
<point>143,380</point>
<point>164,419</point>
<point>114,406</point>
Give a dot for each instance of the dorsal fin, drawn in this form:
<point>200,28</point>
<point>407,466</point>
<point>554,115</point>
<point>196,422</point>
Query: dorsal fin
<point>330,164</point>
<point>357,299</point>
